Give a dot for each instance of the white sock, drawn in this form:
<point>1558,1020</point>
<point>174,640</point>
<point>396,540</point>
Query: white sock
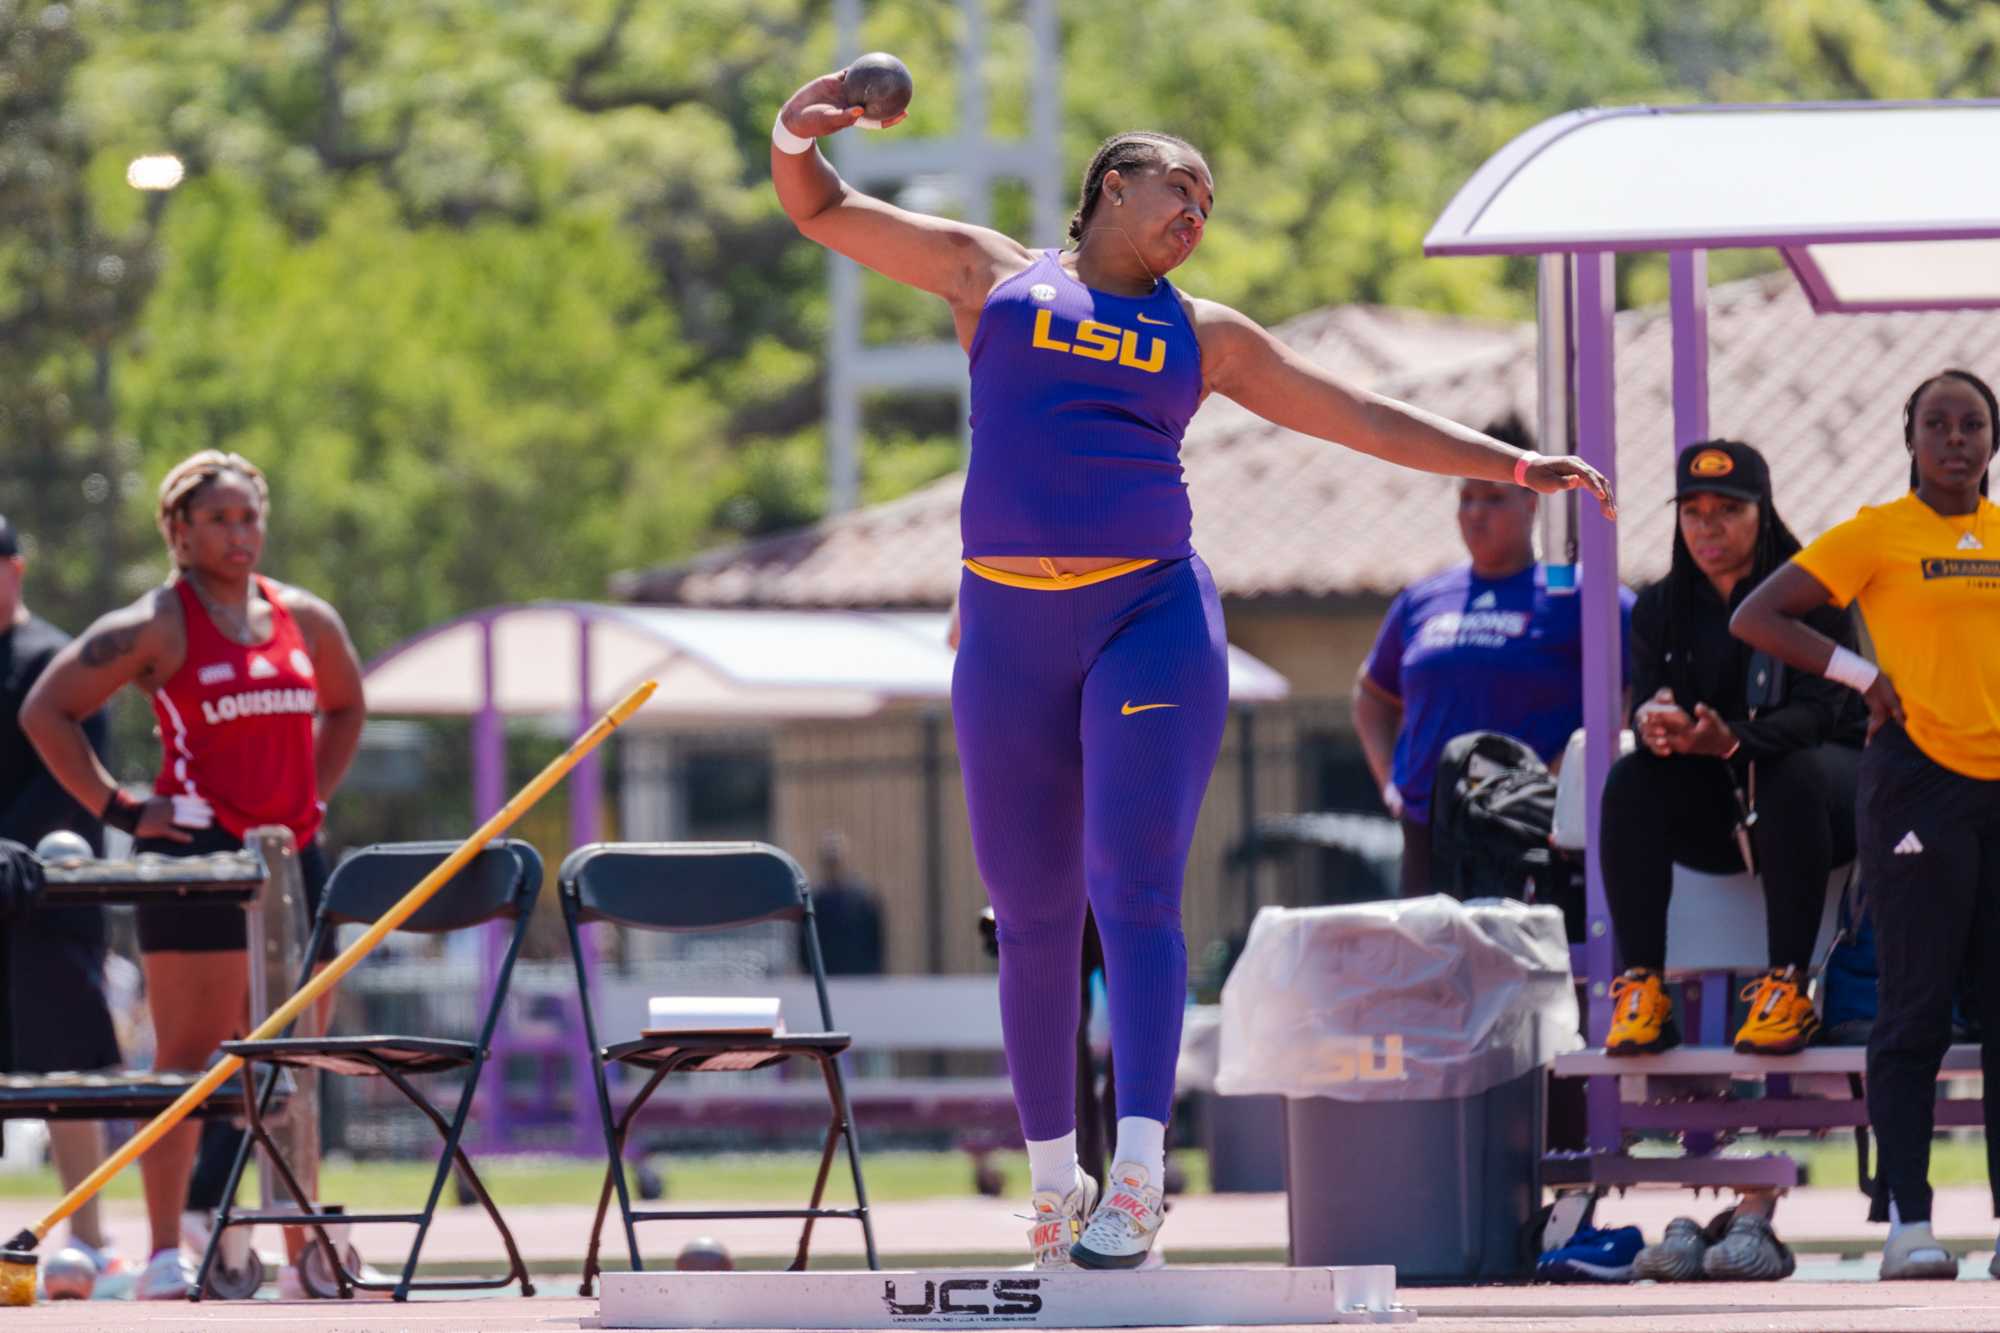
<point>171,1249</point>
<point>1897,1225</point>
<point>1052,1164</point>
<point>1144,1141</point>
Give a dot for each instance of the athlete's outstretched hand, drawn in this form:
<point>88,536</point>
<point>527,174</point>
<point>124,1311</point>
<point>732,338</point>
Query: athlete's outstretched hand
<point>1550,476</point>
<point>820,108</point>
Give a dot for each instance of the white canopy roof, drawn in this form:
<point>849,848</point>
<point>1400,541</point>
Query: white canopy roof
<point>711,664</point>
<point>1876,205</point>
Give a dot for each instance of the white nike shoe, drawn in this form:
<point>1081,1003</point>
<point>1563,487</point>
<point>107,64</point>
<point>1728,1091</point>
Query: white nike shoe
<point>169,1277</point>
<point>1121,1231</point>
<point>1058,1220</point>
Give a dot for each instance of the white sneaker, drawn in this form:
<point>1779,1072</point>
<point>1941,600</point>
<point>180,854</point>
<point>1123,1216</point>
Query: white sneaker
<point>169,1277</point>
<point>1120,1232</point>
<point>1059,1221</point>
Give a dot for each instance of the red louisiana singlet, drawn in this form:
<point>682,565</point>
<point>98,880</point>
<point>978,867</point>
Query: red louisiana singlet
<point>236,723</point>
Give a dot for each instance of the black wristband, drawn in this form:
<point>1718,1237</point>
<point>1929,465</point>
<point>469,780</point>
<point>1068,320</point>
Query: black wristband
<point>122,811</point>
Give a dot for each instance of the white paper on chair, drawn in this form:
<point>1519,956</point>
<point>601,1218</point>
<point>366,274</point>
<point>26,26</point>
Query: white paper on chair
<point>757,1015</point>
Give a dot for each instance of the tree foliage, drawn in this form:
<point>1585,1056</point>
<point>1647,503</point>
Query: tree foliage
<point>501,295</point>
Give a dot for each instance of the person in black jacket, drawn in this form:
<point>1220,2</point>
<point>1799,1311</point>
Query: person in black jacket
<point>53,1011</point>
<point>1739,762</point>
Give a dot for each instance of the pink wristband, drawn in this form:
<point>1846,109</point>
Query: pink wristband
<point>1521,468</point>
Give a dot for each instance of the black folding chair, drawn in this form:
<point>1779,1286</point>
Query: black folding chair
<point>501,882</point>
<point>703,886</point>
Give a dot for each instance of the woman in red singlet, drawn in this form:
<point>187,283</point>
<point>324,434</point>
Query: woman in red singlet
<point>257,689</point>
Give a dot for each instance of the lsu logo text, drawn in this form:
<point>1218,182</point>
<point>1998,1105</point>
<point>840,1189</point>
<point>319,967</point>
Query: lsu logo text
<point>1365,1059</point>
<point>1095,341</point>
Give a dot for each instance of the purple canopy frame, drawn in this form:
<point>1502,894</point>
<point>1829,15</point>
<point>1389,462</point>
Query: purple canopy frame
<point>493,1125</point>
<point>1577,349</point>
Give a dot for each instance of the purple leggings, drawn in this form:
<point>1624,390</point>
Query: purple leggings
<point>1088,721</point>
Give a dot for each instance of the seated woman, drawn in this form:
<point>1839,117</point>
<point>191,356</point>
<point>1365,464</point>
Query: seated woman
<point>1740,763</point>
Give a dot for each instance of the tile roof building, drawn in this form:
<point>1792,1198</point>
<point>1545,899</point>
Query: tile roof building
<point>1280,516</point>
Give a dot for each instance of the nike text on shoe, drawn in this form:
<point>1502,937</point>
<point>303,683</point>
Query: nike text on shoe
<point>1593,1256</point>
<point>1058,1221</point>
<point>1122,1228</point>
<point>1911,845</point>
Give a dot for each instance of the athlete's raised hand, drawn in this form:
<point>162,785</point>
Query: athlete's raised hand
<point>820,108</point>
<point>1553,475</point>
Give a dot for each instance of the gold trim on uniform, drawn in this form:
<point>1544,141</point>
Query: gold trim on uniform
<point>1055,580</point>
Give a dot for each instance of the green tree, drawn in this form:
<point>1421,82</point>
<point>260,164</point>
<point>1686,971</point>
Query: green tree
<point>502,294</point>
<point>69,287</point>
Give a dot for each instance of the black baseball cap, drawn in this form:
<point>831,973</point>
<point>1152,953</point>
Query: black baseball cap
<point>9,543</point>
<point>1722,467</point>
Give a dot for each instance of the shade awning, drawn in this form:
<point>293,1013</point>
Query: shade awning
<point>712,665</point>
<point>1875,206</point>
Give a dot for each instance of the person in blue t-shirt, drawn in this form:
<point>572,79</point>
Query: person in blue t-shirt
<point>1483,646</point>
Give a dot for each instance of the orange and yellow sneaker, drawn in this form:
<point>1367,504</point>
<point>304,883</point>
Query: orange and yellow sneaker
<point>1642,1017</point>
<point>1782,1018</point>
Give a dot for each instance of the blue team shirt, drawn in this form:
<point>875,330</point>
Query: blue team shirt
<point>1465,653</point>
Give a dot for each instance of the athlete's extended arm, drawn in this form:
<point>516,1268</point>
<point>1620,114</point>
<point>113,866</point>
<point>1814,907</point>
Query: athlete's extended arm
<point>1771,620</point>
<point>121,648</point>
<point>337,673</point>
<point>1243,362</point>
<point>955,260</point>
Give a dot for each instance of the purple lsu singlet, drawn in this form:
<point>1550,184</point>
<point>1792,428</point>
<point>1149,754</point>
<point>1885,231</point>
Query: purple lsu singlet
<point>1079,402</point>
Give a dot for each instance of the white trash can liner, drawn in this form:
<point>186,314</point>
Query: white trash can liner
<point>1400,1000</point>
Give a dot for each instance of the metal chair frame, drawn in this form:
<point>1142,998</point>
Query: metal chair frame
<point>379,1055</point>
<point>690,887</point>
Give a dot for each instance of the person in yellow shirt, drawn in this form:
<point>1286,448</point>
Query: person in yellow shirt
<point>1925,571</point>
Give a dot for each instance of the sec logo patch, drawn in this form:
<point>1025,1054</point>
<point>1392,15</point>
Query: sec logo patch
<point>1043,292</point>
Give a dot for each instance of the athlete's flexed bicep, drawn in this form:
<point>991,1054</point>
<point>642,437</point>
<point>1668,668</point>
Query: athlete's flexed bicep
<point>955,260</point>
<point>141,644</point>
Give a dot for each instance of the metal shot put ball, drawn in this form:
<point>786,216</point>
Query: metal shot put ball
<point>69,1275</point>
<point>881,85</point>
<point>704,1254</point>
<point>63,845</point>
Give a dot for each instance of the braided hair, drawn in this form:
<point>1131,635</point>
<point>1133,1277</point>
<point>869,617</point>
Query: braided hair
<point>1774,546</point>
<point>1121,152</point>
<point>1910,417</point>
<point>186,479</point>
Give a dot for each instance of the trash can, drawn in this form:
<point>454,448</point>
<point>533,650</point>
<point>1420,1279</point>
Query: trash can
<point>1410,1039</point>
<point>1244,1137</point>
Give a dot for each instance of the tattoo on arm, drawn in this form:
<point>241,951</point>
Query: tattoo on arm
<point>107,646</point>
